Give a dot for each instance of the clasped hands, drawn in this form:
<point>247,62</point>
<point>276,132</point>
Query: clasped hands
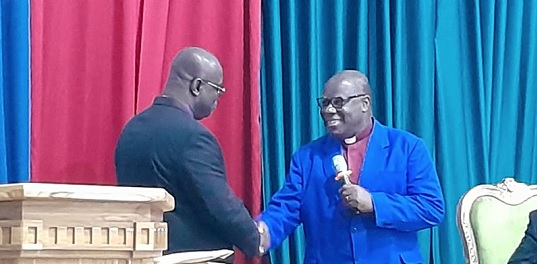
<point>264,237</point>
<point>353,195</point>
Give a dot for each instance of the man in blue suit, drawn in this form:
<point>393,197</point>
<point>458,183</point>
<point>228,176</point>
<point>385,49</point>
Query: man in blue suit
<point>373,216</point>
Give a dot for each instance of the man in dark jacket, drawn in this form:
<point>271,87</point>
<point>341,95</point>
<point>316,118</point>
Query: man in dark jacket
<point>526,253</point>
<point>165,146</point>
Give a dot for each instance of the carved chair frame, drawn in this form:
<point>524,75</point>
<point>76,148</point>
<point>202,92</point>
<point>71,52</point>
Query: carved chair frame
<point>507,191</point>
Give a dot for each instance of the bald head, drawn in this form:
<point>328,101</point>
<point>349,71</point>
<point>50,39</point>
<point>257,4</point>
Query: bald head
<point>195,79</point>
<point>194,62</point>
<point>352,79</point>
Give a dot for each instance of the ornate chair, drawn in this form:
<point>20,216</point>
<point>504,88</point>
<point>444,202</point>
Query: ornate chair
<point>492,220</point>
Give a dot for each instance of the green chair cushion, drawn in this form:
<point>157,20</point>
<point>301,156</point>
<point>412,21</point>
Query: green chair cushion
<point>499,227</point>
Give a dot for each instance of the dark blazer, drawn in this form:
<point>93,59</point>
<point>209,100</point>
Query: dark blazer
<point>164,146</point>
<point>526,253</point>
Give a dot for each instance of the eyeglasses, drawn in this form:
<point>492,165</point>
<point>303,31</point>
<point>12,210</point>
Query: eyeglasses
<point>336,102</point>
<point>219,88</point>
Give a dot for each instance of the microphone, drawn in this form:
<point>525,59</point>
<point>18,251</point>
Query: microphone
<point>340,166</point>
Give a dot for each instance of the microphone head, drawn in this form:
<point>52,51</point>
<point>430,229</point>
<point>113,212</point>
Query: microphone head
<point>339,162</point>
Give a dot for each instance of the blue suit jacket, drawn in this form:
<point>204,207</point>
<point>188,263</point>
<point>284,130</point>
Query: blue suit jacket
<point>399,174</point>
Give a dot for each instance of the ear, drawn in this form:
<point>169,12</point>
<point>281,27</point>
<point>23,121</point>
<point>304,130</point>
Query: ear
<point>366,104</point>
<point>195,87</point>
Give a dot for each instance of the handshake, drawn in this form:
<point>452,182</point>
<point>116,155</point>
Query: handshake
<point>264,237</point>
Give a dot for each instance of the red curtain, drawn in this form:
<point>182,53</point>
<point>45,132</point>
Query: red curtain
<point>95,63</point>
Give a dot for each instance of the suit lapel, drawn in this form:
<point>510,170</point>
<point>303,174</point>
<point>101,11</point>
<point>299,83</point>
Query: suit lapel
<point>331,148</point>
<point>377,150</point>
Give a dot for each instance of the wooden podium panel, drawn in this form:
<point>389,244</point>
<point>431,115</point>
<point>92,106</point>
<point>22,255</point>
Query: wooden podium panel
<point>61,224</point>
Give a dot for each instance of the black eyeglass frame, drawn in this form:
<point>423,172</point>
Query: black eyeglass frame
<point>336,102</point>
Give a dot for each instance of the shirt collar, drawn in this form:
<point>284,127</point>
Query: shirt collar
<point>362,135</point>
<point>170,101</point>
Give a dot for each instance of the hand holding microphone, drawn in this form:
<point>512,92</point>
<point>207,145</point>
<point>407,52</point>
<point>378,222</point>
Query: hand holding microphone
<point>341,168</point>
<point>355,196</point>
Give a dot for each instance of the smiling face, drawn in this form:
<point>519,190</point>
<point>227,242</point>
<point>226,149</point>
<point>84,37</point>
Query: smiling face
<point>345,105</point>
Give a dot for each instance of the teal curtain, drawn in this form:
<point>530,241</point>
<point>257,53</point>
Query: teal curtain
<point>486,101</point>
<point>459,74</point>
<point>14,91</point>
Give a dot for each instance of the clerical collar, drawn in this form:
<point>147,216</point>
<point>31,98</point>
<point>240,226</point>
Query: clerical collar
<point>365,133</point>
<point>350,141</point>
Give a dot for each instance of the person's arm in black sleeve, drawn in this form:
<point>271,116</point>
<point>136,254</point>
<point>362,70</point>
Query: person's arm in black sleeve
<point>526,252</point>
<point>219,208</point>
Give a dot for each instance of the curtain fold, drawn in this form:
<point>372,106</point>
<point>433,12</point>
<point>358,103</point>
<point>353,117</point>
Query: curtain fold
<point>392,42</point>
<point>97,63</point>
<point>14,91</point>
<point>486,101</point>
<point>83,86</point>
<point>459,74</point>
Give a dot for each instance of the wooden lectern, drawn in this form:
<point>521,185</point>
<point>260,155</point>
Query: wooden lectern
<point>66,224</point>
